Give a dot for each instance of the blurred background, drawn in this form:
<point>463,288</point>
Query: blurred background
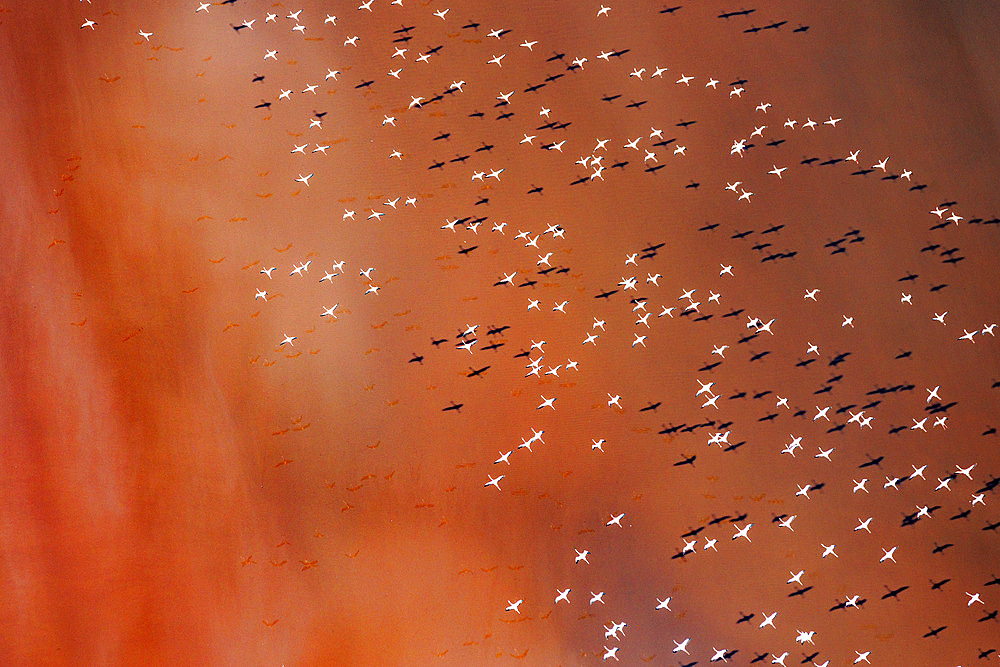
<point>180,488</point>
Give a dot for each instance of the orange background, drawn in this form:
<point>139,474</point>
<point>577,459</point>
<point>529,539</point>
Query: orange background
<point>169,472</point>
